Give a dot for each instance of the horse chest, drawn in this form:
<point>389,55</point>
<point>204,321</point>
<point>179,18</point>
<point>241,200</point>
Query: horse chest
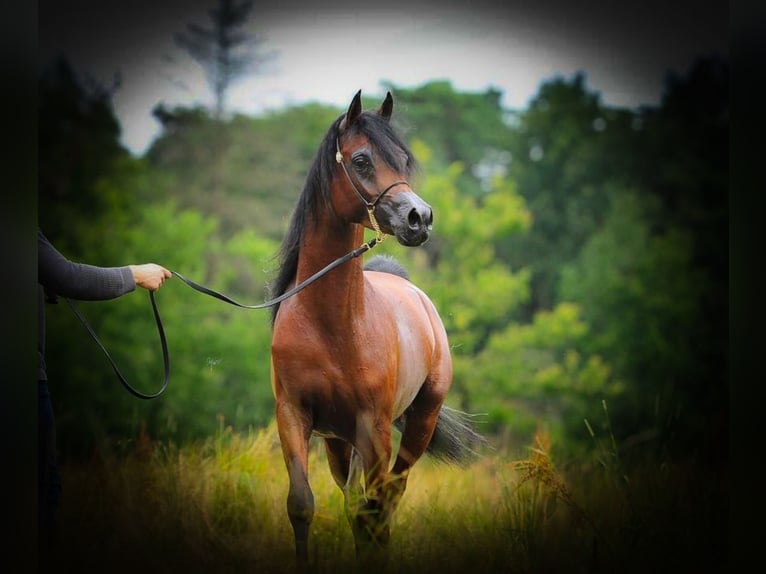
<point>375,363</point>
<point>331,368</point>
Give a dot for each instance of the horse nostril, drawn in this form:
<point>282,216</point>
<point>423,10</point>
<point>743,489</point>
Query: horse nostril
<point>430,219</point>
<point>414,219</point>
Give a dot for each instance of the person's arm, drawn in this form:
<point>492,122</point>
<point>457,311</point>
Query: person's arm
<point>88,282</point>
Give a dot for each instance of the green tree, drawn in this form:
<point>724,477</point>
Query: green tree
<point>574,258</point>
<point>78,145</point>
<point>519,374</point>
<point>568,149</point>
<point>641,296</point>
<point>459,127</point>
<point>652,276</point>
<point>249,171</point>
<point>688,141</point>
<point>541,373</point>
<point>219,354</point>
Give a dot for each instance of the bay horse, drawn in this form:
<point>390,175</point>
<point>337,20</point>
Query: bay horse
<point>361,348</point>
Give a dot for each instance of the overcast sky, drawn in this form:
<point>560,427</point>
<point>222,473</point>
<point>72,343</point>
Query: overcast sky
<point>327,49</point>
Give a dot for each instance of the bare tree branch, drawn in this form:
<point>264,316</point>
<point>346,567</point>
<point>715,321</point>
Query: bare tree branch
<point>225,52</point>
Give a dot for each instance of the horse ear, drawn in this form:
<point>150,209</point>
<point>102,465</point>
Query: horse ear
<point>354,111</point>
<point>387,107</point>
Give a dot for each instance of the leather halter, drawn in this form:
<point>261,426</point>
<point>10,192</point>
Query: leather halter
<point>370,205</point>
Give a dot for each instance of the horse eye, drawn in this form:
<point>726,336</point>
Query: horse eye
<point>363,166</point>
<point>362,162</point>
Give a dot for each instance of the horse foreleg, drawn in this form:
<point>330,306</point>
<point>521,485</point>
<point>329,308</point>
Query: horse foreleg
<point>373,443</point>
<point>294,432</point>
<point>346,468</point>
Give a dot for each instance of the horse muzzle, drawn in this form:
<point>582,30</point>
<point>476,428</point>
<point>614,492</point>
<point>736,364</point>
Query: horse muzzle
<point>407,217</point>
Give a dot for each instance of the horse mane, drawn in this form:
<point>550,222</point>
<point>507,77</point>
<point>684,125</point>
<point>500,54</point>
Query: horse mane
<point>316,189</point>
<point>387,264</point>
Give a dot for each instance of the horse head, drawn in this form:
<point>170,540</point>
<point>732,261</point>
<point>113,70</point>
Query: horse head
<point>373,167</point>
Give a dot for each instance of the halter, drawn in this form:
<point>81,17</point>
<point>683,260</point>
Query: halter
<point>369,205</point>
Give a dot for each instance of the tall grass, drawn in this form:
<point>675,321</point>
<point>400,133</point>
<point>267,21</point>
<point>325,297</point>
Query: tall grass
<point>219,506</point>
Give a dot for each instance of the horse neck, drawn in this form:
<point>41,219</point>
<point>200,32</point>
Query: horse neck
<point>335,298</point>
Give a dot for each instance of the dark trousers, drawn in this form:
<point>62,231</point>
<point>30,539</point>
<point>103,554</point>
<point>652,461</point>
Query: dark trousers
<point>49,479</point>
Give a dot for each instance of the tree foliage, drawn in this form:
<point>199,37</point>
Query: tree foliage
<point>465,128</point>
<point>579,256</point>
<point>249,171</point>
<point>83,169</point>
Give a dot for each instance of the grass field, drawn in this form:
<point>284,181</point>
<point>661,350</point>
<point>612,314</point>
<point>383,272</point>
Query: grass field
<point>219,506</point>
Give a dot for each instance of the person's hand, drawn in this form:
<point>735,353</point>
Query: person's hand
<point>150,275</point>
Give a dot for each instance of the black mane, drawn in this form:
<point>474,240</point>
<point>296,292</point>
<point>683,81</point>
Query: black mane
<point>387,264</point>
<point>316,190</point>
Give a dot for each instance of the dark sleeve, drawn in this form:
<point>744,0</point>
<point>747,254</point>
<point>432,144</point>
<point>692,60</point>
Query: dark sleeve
<point>78,280</point>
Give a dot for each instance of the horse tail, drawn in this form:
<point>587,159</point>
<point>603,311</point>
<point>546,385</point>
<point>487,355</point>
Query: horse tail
<point>455,439</point>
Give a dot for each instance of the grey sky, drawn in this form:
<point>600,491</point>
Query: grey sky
<point>328,49</point>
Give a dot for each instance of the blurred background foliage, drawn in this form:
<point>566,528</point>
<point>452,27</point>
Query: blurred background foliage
<point>579,255</point>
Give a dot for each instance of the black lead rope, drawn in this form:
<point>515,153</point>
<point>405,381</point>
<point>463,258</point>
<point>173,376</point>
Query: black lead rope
<point>123,380</point>
<point>207,291</point>
<point>287,294</point>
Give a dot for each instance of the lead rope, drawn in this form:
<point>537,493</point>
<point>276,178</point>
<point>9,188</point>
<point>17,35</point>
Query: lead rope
<point>366,246</point>
<point>220,296</point>
<point>123,380</point>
